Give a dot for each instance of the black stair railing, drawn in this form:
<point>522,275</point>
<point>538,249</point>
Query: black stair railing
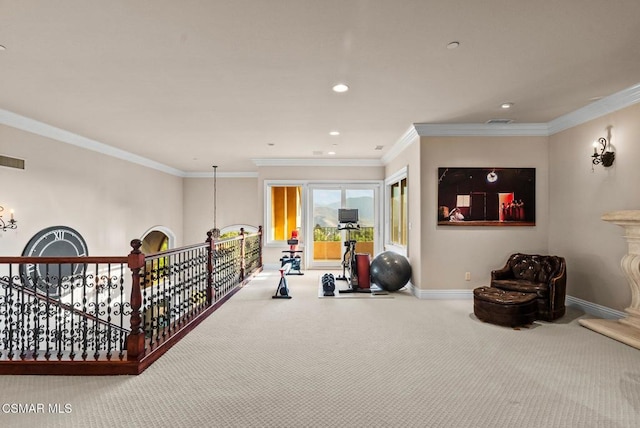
<point>116,308</point>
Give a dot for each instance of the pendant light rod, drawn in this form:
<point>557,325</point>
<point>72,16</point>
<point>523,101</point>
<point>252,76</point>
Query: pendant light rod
<point>215,180</point>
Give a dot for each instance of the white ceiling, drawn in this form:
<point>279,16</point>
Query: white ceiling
<point>192,83</point>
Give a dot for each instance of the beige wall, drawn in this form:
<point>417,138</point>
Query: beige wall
<point>448,252</point>
<point>578,198</point>
<point>236,203</point>
<point>111,201</point>
<point>107,200</point>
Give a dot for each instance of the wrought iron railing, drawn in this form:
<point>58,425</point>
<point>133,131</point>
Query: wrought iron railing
<point>362,234</point>
<point>114,309</point>
<point>45,313</point>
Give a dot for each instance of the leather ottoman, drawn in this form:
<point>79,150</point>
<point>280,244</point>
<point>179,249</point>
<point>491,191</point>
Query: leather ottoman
<point>502,307</point>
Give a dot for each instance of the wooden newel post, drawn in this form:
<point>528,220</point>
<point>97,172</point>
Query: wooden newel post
<point>210,292</point>
<point>135,341</point>
<point>243,240</point>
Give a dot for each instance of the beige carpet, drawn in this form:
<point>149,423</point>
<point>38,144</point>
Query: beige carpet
<point>310,362</point>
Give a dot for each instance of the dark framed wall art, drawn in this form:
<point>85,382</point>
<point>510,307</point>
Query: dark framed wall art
<point>486,196</point>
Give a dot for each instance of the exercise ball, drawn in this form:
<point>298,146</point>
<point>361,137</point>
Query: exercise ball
<point>390,271</point>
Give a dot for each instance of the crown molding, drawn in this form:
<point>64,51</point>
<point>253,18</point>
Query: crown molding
<point>604,106</point>
<point>596,109</point>
<point>407,138</point>
<point>318,162</point>
<point>481,130</point>
<point>39,128</point>
<point>221,175</point>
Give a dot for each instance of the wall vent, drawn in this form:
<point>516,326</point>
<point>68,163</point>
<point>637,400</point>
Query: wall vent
<point>11,162</point>
<point>499,121</point>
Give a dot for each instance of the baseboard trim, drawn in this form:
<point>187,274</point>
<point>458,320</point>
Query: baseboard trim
<point>589,308</point>
<point>593,309</point>
<point>441,294</point>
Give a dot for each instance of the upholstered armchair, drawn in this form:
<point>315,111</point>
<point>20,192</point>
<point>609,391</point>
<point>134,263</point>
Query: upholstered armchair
<point>533,273</point>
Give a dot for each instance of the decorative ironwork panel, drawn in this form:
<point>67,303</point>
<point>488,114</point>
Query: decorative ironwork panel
<point>52,315</point>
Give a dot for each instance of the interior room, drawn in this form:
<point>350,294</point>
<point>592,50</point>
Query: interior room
<point>162,121</point>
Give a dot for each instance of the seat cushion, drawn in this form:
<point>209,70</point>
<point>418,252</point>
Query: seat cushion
<point>521,285</point>
<point>508,308</point>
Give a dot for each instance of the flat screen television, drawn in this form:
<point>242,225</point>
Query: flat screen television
<point>347,215</point>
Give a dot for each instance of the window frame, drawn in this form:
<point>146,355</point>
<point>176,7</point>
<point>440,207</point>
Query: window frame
<point>268,184</point>
<point>396,179</point>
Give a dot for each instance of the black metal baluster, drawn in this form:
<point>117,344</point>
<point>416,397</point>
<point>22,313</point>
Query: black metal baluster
<point>59,331</point>
<point>155,302</point>
<point>13,339</point>
<point>109,331</point>
<point>96,324</point>
<point>85,321</point>
<point>123,336</point>
<point>173,289</point>
<point>23,325</point>
<point>162,319</point>
<point>183,281</point>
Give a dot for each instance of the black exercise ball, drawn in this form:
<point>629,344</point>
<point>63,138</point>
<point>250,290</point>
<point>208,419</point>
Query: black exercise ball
<point>390,271</point>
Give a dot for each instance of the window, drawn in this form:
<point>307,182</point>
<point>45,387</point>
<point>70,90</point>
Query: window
<point>284,214</point>
<point>398,213</point>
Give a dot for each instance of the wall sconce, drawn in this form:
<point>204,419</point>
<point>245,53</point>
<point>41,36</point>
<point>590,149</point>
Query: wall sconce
<point>11,224</point>
<point>606,155</point>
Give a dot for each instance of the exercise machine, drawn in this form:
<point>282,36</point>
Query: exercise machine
<point>282,292</point>
<point>351,269</point>
<point>292,256</point>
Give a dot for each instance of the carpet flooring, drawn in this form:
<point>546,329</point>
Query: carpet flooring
<point>360,362</point>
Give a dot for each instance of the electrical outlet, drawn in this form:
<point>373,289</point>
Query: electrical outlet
<point>467,276</point>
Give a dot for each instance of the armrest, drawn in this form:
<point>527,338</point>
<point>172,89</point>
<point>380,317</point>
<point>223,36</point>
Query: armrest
<point>558,286</point>
<point>504,273</point>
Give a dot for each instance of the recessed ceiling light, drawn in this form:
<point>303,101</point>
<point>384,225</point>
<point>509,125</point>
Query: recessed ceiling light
<point>506,105</point>
<point>379,147</point>
<point>340,87</point>
<point>334,133</point>
<point>2,48</point>
<point>270,144</point>
<point>453,45</point>
<point>331,153</point>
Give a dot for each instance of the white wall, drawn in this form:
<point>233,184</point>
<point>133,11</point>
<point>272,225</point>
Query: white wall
<point>108,200</point>
<point>578,198</point>
<point>448,252</point>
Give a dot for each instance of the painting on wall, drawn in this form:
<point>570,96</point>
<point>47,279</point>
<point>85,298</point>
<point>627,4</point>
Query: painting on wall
<point>486,196</point>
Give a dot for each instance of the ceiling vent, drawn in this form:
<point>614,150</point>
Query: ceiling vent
<point>317,153</point>
<point>379,147</point>
<point>11,162</point>
<point>499,121</point>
